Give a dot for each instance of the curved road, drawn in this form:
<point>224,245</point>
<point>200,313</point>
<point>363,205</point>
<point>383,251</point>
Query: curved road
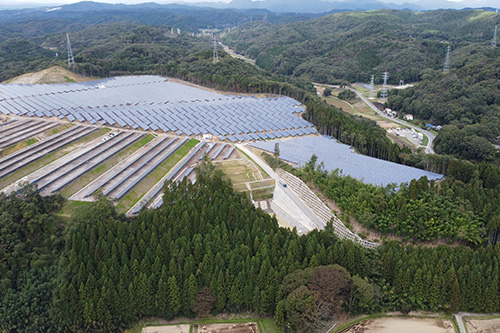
<point>430,136</point>
<point>459,317</point>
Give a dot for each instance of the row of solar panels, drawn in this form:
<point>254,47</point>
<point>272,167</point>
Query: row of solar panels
<point>207,112</point>
<point>17,90</point>
<point>87,103</point>
<point>151,195</point>
<point>53,105</point>
<point>187,123</point>
<point>270,135</point>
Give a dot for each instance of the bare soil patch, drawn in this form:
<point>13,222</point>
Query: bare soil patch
<point>386,124</point>
<point>483,326</point>
<point>403,325</point>
<point>401,141</point>
<point>167,329</point>
<point>226,328</point>
<point>55,74</point>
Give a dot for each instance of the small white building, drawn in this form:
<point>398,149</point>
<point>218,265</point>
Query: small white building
<point>390,113</point>
<point>409,117</point>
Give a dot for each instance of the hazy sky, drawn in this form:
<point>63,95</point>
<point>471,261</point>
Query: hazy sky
<point>461,3</point>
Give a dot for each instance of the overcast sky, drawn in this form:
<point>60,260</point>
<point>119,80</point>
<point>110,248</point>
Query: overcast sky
<point>21,3</point>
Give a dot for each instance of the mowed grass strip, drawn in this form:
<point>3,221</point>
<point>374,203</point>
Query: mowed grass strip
<point>104,166</point>
<point>262,194</point>
<point>70,207</point>
<point>153,178</point>
<point>263,184</point>
<point>28,142</point>
<point>266,175</point>
<point>238,171</point>
<point>32,167</point>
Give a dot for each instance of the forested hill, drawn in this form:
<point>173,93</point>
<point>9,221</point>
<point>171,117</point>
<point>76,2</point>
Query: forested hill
<point>354,45</point>
<point>466,101</point>
<point>28,23</point>
<point>113,39</point>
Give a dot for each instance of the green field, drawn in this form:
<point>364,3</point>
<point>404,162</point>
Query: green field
<point>239,171</point>
<point>243,173</point>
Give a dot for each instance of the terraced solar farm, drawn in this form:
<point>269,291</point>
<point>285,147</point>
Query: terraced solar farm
<point>127,136</point>
<point>154,103</point>
<point>339,156</point>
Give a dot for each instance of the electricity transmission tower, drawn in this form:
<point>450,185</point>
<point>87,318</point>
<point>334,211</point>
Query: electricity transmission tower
<point>494,40</point>
<point>446,67</point>
<point>372,88</point>
<point>384,94</point>
<point>71,60</point>
<point>216,56</point>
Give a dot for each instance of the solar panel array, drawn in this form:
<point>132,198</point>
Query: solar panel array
<point>153,103</point>
<point>336,155</point>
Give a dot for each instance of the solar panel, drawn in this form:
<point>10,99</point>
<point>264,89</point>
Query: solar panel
<point>335,155</point>
<point>150,102</point>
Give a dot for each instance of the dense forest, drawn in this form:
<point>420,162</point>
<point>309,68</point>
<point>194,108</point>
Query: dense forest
<point>463,207</point>
<point>207,251</point>
<point>351,46</point>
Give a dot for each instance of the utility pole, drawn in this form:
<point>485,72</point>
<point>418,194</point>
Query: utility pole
<point>446,68</point>
<point>71,60</point>
<point>384,93</point>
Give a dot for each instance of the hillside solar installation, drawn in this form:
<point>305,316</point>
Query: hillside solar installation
<point>339,156</point>
<point>155,103</point>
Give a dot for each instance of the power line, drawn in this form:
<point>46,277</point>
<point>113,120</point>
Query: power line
<point>71,60</point>
<point>384,93</point>
<point>372,88</point>
<point>446,67</point>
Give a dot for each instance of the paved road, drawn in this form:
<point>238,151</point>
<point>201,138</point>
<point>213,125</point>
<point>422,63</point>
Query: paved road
<point>459,317</point>
<point>430,136</point>
<point>298,202</point>
<point>233,54</point>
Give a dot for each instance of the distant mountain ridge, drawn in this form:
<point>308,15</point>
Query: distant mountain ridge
<point>277,6</point>
<point>319,6</point>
